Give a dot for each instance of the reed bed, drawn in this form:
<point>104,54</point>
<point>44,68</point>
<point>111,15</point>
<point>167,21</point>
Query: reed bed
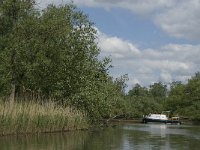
<point>32,117</point>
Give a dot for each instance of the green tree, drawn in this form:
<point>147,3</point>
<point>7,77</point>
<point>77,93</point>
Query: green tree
<point>185,99</point>
<point>13,12</point>
<point>121,83</point>
<point>176,97</point>
<point>52,54</point>
<point>158,91</point>
<point>190,106</point>
<point>141,102</point>
<point>138,90</point>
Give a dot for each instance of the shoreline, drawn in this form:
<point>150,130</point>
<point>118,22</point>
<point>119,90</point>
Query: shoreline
<point>45,132</point>
<point>112,123</point>
<point>23,118</point>
<point>139,121</point>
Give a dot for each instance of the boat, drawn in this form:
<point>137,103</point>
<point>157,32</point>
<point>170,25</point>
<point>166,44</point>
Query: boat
<point>161,118</point>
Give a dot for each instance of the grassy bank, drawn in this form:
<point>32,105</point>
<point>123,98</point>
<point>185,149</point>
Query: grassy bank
<point>31,117</point>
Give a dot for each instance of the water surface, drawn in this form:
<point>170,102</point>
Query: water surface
<point>120,137</point>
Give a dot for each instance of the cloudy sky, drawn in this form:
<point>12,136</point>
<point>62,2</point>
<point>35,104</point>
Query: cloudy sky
<point>150,40</point>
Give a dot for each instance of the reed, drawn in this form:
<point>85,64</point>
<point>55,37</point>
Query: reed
<point>32,117</point>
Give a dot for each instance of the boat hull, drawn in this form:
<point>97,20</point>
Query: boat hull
<point>148,120</point>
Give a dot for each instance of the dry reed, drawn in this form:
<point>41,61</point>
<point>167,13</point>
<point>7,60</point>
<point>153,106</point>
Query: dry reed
<point>32,117</point>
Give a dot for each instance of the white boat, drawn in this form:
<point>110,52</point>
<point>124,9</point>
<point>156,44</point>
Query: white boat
<point>161,118</point>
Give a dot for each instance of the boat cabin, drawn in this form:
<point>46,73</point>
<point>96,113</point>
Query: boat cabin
<point>157,116</point>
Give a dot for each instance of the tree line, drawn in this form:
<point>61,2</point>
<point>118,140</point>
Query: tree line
<point>181,99</point>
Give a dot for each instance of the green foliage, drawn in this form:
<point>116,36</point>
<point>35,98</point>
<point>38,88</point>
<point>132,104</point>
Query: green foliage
<point>182,99</point>
<point>121,83</point>
<point>176,97</point>
<point>102,100</point>
<point>185,99</point>
<point>142,102</point>
<point>190,106</point>
<point>52,54</point>
<point>139,91</point>
<point>158,91</point>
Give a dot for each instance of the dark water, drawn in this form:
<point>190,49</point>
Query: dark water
<point>121,137</point>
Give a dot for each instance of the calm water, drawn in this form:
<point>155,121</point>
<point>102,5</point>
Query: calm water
<point>121,137</point>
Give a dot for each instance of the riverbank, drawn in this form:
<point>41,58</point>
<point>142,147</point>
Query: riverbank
<point>32,117</point>
<point>139,121</point>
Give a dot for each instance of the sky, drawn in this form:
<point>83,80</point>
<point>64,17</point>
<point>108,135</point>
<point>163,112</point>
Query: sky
<point>150,40</point>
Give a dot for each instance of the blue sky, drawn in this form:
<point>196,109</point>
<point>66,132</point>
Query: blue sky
<point>150,40</point>
<point>124,24</point>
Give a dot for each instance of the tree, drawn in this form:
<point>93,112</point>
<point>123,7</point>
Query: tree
<point>49,52</point>
<point>12,14</point>
<point>185,99</point>
<point>190,106</point>
<point>121,83</point>
<point>192,89</point>
<point>53,54</point>
<point>176,97</point>
<point>141,102</point>
<point>158,91</point>
<point>138,90</point>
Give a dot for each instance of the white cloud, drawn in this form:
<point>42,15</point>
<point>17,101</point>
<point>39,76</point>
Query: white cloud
<point>166,77</point>
<point>117,47</point>
<point>178,18</point>
<point>139,6</point>
<point>169,63</point>
<point>182,20</point>
<point>133,81</point>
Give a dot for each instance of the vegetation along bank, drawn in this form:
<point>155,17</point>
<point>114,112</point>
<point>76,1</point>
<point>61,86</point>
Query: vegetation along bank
<point>51,76</point>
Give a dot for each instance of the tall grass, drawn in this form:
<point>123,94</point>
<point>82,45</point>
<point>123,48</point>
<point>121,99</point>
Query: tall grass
<point>32,117</point>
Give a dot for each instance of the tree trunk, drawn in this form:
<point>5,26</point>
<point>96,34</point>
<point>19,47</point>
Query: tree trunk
<point>12,95</point>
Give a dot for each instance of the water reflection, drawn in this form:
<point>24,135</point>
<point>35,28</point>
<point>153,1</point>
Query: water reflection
<point>122,137</point>
<point>155,136</point>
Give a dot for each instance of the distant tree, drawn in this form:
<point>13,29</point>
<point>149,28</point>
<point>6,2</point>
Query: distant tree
<point>141,102</point>
<point>138,90</point>
<point>176,97</point>
<point>121,82</point>
<point>158,91</point>
<point>192,90</point>
<point>185,99</point>
<point>190,107</point>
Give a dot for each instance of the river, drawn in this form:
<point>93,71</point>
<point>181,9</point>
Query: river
<point>120,137</point>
